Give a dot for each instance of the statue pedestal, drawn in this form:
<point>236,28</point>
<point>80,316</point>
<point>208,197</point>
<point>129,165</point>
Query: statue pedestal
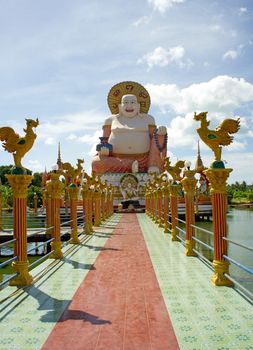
<point>128,188</point>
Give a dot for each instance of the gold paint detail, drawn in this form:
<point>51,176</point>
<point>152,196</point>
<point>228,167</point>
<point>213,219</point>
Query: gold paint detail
<point>218,278</point>
<point>56,248</point>
<point>126,88</point>
<point>189,246</point>
<point>23,278</point>
<point>217,179</point>
<point>17,145</point>
<point>218,137</point>
<point>19,184</point>
<point>55,187</point>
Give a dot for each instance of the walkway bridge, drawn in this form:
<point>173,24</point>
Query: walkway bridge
<point>126,286</point>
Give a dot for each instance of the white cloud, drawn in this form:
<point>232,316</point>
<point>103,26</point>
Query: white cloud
<point>141,21</point>
<point>221,95</point>
<point>163,57</point>
<point>163,5</point>
<point>216,28</point>
<point>68,126</point>
<point>50,141</point>
<point>233,54</point>
<point>34,164</point>
<point>243,10</point>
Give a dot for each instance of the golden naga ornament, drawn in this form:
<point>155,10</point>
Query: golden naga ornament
<point>17,145</point>
<point>71,173</point>
<point>126,88</point>
<point>221,136</point>
<point>175,170</point>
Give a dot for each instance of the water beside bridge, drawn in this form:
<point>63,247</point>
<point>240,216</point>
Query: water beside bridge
<point>240,223</point>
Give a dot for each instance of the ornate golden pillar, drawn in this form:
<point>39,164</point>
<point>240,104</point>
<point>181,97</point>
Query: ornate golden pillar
<point>103,197</point>
<point>1,210</point>
<point>174,189</point>
<point>35,203</point>
<point>73,196</point>
<point>189,184</point>
<point>55,189</point>
<point>166,194</point>
<point>86,208</point>
<point>217,179</point>
<point>97,207</point>
<point>160,207</point>
<point>19,184</point>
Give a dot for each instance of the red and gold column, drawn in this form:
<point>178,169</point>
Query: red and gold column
<point>97,207</point>
<point>1,211</point>
<point>86,208</point>
<point>47,197</point>
<point>73,196</point>
<point>217,179</point>
<point>35,203</point>
<point>55,188</point>
<point>166,194</point>
<point>174,190</point>
<point>160,207</point>
<point>189,185</point>
<point>19,184</point>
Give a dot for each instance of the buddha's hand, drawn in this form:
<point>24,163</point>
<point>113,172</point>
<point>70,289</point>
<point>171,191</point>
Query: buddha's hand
<point>161,130</point>
<point>104,151</point>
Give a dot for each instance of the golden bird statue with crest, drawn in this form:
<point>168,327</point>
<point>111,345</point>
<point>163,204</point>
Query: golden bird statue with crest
<point>17,145</point>
<point>221,136</point>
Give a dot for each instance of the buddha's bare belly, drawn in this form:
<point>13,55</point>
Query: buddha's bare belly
<point>130,142</point>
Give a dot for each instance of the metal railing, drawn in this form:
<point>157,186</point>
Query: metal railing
<point>200,243</point>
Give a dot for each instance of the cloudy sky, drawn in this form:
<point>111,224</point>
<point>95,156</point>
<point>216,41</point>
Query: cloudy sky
<point>59,59</point>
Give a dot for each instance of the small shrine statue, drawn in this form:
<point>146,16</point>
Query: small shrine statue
<point>130,136</point>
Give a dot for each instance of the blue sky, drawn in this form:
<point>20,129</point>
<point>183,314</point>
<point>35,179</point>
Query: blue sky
<point>60,58</point>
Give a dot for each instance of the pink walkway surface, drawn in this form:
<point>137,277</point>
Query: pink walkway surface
<point>119,304</point>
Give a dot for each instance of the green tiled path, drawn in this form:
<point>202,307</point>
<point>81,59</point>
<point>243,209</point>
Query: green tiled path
<point>203,316</point>
<point>28,315</point>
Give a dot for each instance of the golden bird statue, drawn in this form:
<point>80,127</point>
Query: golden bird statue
<point>17,145</point>
<point>221,136</point>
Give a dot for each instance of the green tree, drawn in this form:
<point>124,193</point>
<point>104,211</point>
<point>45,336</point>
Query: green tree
<point>4,169</point>
<point>37,179</point>
<point>7,196</point>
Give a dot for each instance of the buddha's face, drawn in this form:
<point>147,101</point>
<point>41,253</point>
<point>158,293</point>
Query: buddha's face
<point>129,106</point>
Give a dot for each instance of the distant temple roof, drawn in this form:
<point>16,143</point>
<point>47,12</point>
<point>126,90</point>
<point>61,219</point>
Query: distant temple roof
<point>59,161</point>
<point>199,166</point>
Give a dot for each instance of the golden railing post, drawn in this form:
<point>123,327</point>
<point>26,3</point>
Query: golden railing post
<point>55,189</point>
<point>73,196</point>
<point>97,209</point>
<point>174,189</point>
<point>1,210</point>
<point>159,202</point>
<point>166,193</point>
<point>189,184</point>
<point>103,197</point>
<point>90,201</point>
<point>19,184</point>
<point>85,194</point>
<point>35,203</point>
<point>217,178</point>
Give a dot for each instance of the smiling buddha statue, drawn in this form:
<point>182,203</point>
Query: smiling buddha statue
<point>131,141</point>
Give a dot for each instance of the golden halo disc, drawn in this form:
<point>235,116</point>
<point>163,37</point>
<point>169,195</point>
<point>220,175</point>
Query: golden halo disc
<point>125,88</point>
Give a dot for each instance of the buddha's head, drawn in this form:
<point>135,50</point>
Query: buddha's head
<point>129,106</point>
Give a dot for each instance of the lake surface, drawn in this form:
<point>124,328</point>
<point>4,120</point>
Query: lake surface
<point>240,229</point>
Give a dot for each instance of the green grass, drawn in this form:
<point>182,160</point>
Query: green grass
<point>8,270</point>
